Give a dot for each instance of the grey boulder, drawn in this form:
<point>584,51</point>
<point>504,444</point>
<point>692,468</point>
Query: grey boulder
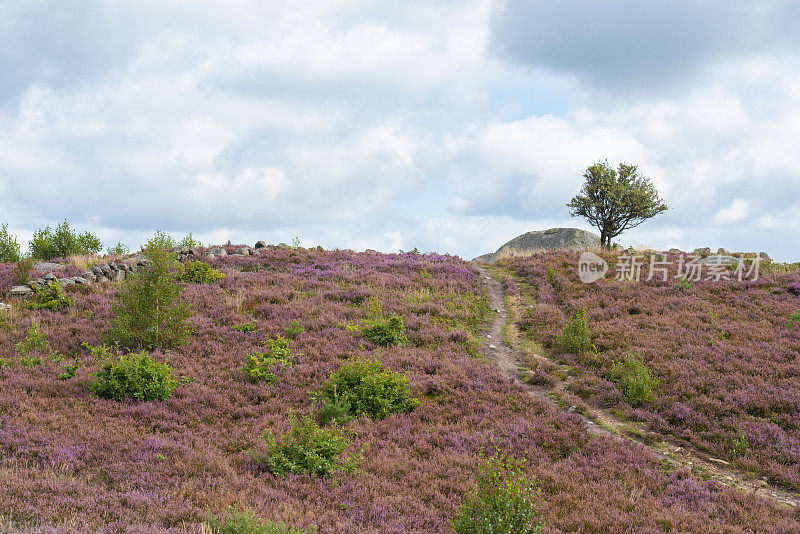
<point>552,239</point>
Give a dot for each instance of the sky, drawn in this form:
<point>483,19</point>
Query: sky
<point>449,126</point>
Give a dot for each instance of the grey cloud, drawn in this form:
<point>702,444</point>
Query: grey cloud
<point>640,47</point>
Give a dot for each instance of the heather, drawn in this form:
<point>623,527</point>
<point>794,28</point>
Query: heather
<point>73,461</point>
<point>714,362</point>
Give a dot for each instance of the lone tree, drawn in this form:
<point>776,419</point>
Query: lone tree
<point>616,200</point>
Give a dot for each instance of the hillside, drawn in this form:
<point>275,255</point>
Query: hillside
<point>75,462</point>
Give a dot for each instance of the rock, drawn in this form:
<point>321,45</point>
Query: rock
<point>704,251</point>
<point>217,251</point>
<point>5,307</point>
<point>98,272</point>
<point>20,291</point>
<point>272,247</point>
<point>42,266</point>
<point>242,251</point>
<point>260,245</point>
<point>80,280</point>
<point>282,245</point>
<point>764,256</point>
<point>50,276</point>
<point>88,276</point>
<point>723,252</point>
<point>554,238</point>
<point>66,281</point>
<point>320,249</point>
<point>371,251</point>
<point>719,259</point>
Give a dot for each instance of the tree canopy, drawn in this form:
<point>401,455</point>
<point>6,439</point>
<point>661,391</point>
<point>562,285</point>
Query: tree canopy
<point>615,200</point>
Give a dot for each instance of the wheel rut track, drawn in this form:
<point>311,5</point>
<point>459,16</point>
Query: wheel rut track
<point>681,453</point>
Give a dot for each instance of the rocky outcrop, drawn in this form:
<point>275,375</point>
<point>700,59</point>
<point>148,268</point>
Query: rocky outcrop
<point>554,238</point>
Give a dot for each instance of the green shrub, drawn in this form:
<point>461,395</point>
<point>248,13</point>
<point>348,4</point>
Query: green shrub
<point>200,272</point>
<point>70,370</point>
<point>634,380</point>
<point>388,333</point>
<point>245,522</point>
<point>245,328</point>
<point>261,367</point>
<point>295,329</point>
<point>575,337</point>
<point>120,248</point>
<point>48,244</point>
<point>146,312</point>
<point>31,349</point>
<point>794,320</point>
<point>9,247</point>
<point>306,448</point>
<point>133,376</point>
<point>334,411</point>
<point>369,389</point>
<point>189,241</point>
<point>51,298</point>
<point>684,284</point>
<point>505,501</point>
<point>22,270</point>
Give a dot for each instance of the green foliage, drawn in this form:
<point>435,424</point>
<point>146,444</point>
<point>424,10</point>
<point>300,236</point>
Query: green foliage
<point>22,270</point>
<point>738,446</point>
<point>245,522</point>
<point>51,298</point>
<point>70,370</point>
<point>147,312</point>
<point>133,376</point>
<point>387,333</point>
<point>334,410</point>
<point>296,243</point>
<point>505,501</point>
<point>247,327</point>
<point>684,284</point>
<point>9,247</point>
<point>370,389</point>
<point>295,329</point>
<point>189,241</point>
<point>575,336</point>
<point>33,346</point>
<point>120,248</point>
<point>615,200</point>
<point>200,272</point>
<point>794,320</point>
<point>261,366</point>
<point>634,380</point>
<point>306,448</point>
<point>48,244</point>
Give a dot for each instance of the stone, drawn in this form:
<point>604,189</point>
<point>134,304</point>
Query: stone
<point>282,245</point>
<point>5,307</point>
<point>272,247</point>
<point>719,259</point>
<point>704,251</point>
<point>98,272</point>
<point>42,266</point>
<point>20,291</point>
<point>80,280</point>
<point>242,251</point>
<point>260,245</point>
<point>113,266</point>
<point>217,251</point>
<point>88,275</point>
<point>764,256</point>
<point>552,239</point>
<point>723,252</point>
<point>50,276</point>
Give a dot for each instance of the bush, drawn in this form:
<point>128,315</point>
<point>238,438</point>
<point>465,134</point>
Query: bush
<point>294,329</point>
<point>307,448</point>
<point>134,376</point>
<point>9,247</point>
<point>369,389</point>
<point>118,249</point>
<point>505,501</point>
<point>575,337</point>
<point>261,367</point>
<point>199,272</point>
<point>146,312</point>
<point>334,411</point>
<point>794,320</point>
<point>33,346</point>
<point>189,241</point>
<point>22,270</point>
<point>634,380</point>
<point>388,333</point>
<point>51,298</point>
<point>245,328</point>
<point>47,244</point>
<point>245,522</point>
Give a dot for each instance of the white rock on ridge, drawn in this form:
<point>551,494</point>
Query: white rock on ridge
<point>552,239</point>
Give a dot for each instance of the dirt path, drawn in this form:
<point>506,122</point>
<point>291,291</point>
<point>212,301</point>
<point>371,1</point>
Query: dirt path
<point>675,451</point>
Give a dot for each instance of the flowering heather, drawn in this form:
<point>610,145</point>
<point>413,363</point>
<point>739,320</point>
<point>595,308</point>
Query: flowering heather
<point>723,354</point>
<point>73,462</point>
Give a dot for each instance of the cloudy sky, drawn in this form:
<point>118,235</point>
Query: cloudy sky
<point>449,126</point>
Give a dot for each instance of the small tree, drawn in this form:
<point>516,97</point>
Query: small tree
<point>616,200</point>
<point>147,313</point>
<point>9,247</point>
